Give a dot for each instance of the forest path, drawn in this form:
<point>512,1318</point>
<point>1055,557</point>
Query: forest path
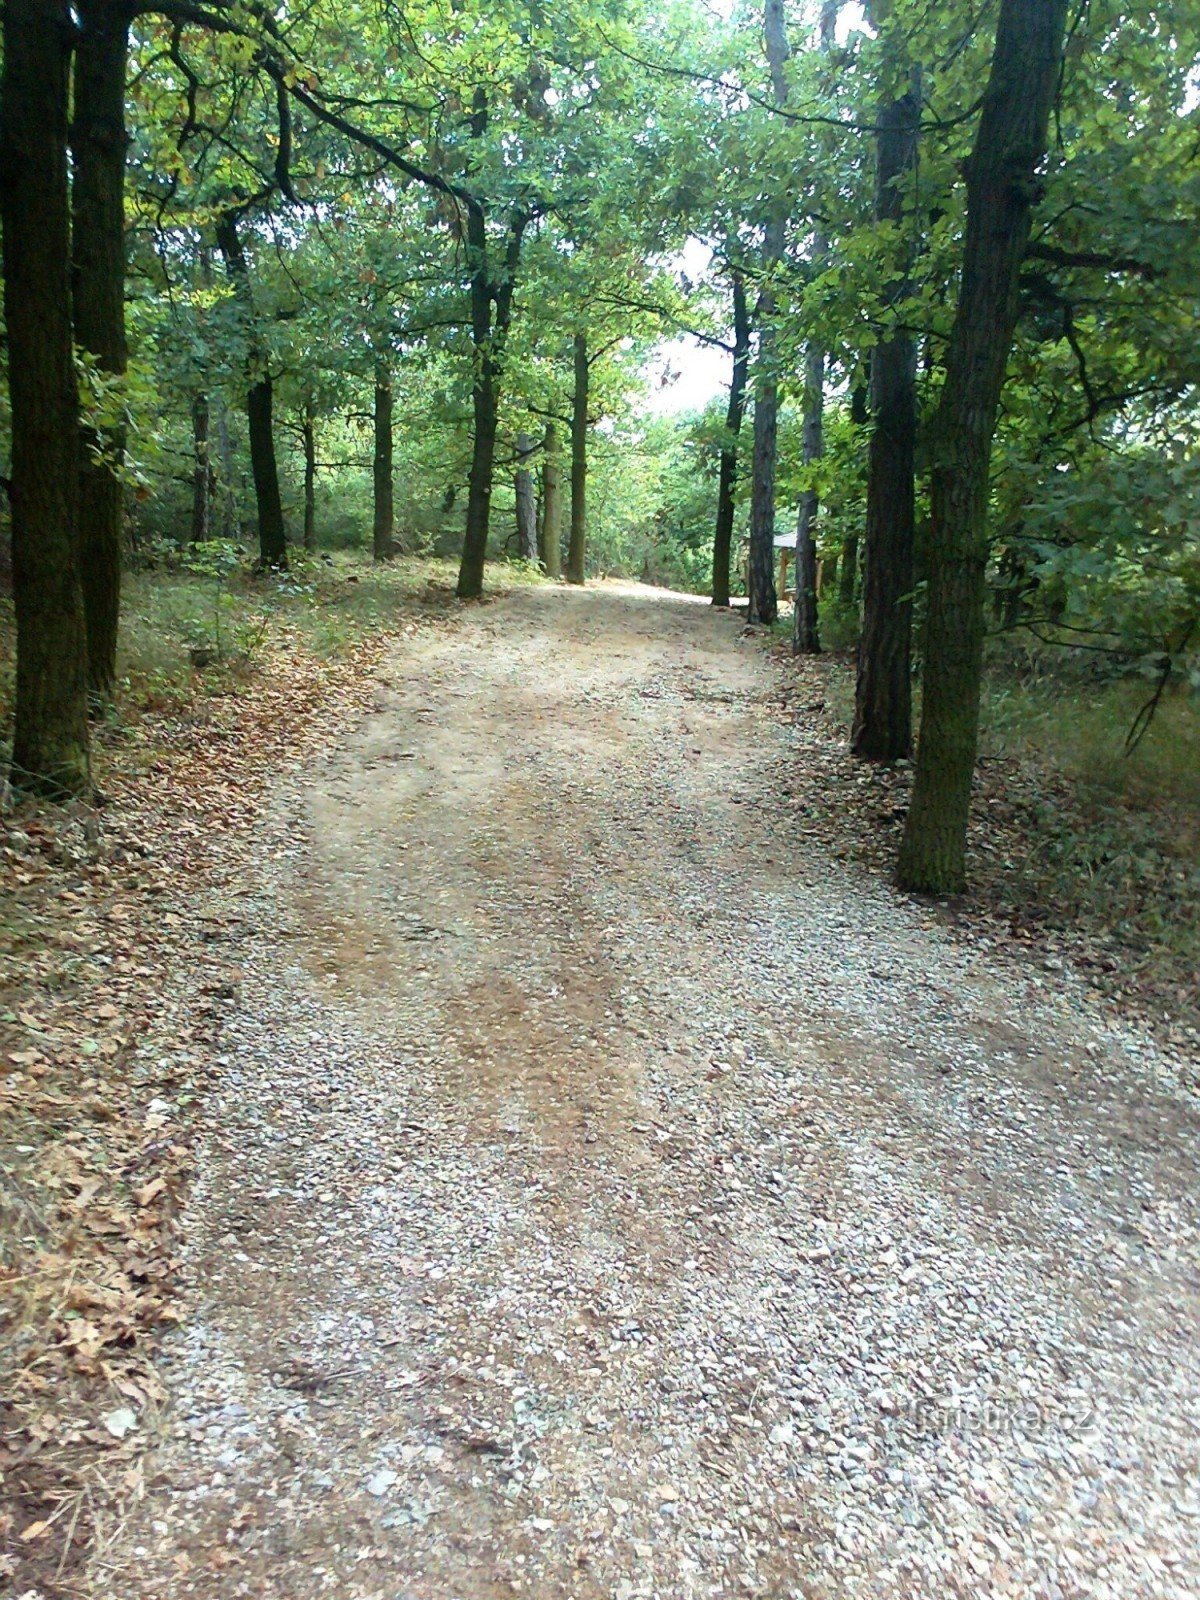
<point>605,1195</point>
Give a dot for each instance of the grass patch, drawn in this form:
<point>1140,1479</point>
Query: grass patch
<point>186,634</point>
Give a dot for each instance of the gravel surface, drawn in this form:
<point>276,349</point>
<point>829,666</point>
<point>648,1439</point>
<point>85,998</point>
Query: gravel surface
<point>605,1194</point>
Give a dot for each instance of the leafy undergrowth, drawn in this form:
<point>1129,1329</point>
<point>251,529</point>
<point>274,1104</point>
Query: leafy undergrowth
<point>111,982</point>
<point>1078,855</point>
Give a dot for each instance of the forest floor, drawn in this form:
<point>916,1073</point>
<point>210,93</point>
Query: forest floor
<point>600,1189</point>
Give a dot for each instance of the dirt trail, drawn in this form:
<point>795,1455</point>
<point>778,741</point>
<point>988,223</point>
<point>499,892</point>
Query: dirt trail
<point>606,1196</point>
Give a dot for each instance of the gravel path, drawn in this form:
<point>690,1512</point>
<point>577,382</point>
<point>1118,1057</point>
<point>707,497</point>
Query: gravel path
<point>607,1196</point>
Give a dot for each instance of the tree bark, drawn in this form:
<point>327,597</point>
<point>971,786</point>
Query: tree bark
<point>260,401</point>
<point>231,525</point>
<point>202,471</point>
<point>526,504</point>
<point>98,142</point>
<point>848,570</point>
<point>1001,189</point>
<point>806,637</point>
<point>551,503</point>
<point>489,342</point>
<point>764,602</point>
<point>385,513</point>
<point>860,415</point>
<point>577,547</point>
<point>50,739</point>
<point>882,728</point>
<point>308,428</point>
<point>727,481</point>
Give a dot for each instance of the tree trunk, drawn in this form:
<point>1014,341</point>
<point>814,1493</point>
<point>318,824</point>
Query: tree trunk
<point>489,346</point>
<point>309,431</point>
<point>385,514</point>
<point>50,738</point>
<point>806,638</point>
<point>860,415</point>
<point>576,549</point>
<point>202,471</point>
<point>1001,188</point>
<point>551,503</point>
<point>727,482</point>
<point>764,602</point>
<point>883,694</point>
<point>231,526</point>
<point>526,506</point>
<point>260,400</point>
<point>98,142</point>
<point>848,571</point>
<point>485,402</point>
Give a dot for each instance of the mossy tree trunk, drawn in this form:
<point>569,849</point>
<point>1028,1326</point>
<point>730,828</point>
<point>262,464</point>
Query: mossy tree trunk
<point>1001,189</point>
<point>577,547</point>
<point>735,411</point>
<point>98,144</point>
<point>50,738</point>
<point>882,728</point>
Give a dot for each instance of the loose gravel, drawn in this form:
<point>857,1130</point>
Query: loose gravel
<point>605,1194</point>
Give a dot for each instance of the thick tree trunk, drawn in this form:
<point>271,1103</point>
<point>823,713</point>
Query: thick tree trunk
<point>577,548</point>
<point>308,428</point>
<point>260,401</point>
<point>526,504</point>
<point>551,503</point>
<point>1001,187</point>
<point>202,471</point>
<point>806,637</point>
<point>883,695</point>
<point>50,738</point>
<point>98,143</point>
<point>727,481</point>
<point>385,513</point>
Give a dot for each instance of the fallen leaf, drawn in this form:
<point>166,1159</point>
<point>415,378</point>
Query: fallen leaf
<point>120,1422</point>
